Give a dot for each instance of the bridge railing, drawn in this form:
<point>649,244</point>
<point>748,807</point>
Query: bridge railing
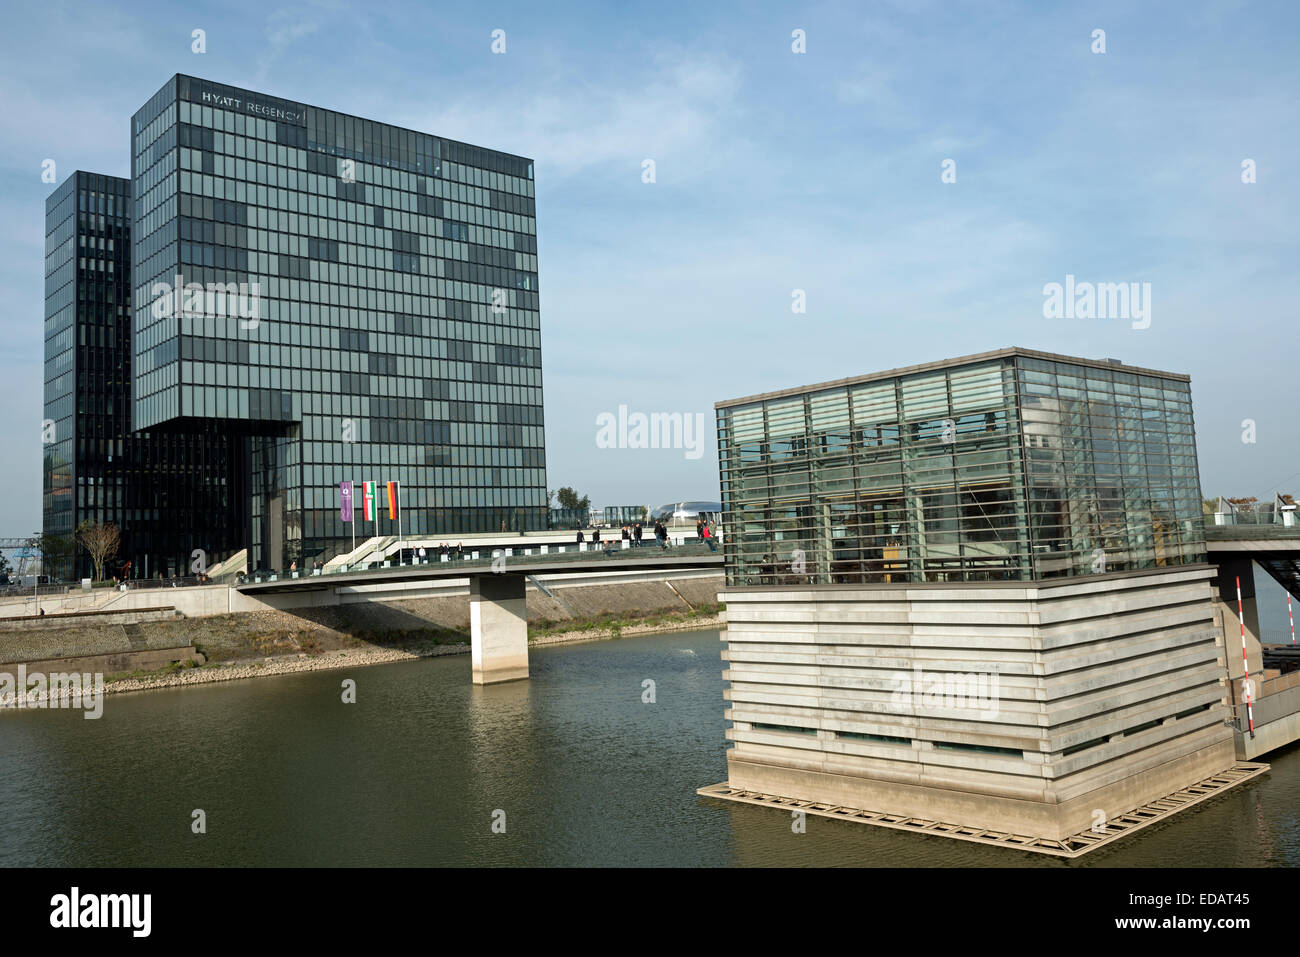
<point>102,588</point>
<point>1257,513</point>
<point>649,550</point>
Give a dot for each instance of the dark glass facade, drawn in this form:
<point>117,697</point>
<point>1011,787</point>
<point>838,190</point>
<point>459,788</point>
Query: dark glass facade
<point>159,487</point>
<point>375,314</point>
<point>1014,465</point>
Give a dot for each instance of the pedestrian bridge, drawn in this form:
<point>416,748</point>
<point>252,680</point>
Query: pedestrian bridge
<point>497,584</point>
<point>1275,547</point>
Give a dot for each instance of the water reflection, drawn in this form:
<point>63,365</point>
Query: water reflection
<point>585,771</point>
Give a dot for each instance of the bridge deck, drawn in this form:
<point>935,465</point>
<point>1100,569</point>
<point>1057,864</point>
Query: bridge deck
<point>1230,538</point>
<point>570,561</point>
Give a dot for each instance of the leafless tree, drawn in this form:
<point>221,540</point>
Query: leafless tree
<point>100,541</point>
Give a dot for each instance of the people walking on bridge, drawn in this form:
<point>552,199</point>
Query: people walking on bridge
<point>707,534</point>
<point>581,538</point>
<point>595,535</point>
<point>627,536</point>
<point>636,535</point>
<point>699,529</point>
<point>460,549</point>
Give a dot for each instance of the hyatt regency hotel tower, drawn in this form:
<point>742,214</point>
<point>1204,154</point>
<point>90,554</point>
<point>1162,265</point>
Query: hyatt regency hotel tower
<point>280,299</point>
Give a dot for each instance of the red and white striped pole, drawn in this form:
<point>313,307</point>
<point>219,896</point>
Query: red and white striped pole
<point>1245,666</point>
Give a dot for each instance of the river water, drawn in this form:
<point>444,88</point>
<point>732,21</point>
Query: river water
<point>575,765</point>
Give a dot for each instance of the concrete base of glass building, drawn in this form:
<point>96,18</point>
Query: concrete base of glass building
<point>1040,709</point>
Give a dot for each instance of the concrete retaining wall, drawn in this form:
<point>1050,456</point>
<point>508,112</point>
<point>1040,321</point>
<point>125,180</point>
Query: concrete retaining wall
<point>193,602</point>
<point>1278,733</point>
<point>72,620</point>
<point>116,663</point>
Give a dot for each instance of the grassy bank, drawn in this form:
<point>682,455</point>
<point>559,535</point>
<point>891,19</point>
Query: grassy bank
<point>617,624</point>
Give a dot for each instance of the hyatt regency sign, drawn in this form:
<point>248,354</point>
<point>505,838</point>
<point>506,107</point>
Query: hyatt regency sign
<point>266,111</point>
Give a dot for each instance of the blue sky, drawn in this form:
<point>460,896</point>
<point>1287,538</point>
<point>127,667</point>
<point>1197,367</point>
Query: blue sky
<point>774,171</point>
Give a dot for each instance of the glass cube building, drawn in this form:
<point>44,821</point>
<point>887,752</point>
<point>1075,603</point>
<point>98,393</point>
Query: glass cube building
<point>168,491</point>
<point>1012,465</point>
<point>369,312</point>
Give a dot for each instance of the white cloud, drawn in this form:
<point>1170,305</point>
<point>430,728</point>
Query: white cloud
<point>675,113</point>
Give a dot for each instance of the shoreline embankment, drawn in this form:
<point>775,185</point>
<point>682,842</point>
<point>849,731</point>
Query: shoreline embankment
<point>364,657</point>
<point>172,651</point>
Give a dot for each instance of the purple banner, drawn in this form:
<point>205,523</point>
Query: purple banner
<point>345,501</point>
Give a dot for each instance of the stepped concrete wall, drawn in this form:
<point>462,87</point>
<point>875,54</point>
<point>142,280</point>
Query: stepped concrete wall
<point>1027,707</point>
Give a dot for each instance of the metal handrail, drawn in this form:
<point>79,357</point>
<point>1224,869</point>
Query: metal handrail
<point>608,548</point>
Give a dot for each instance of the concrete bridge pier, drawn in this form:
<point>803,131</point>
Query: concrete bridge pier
<point>498,628</point>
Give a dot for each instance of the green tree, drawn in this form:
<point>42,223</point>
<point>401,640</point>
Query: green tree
<point>568,498</point>
<point>56,553</point>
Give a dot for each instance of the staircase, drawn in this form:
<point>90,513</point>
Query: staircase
<point>371,550</point>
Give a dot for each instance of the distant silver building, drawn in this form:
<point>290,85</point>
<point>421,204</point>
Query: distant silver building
<point>686,513</point>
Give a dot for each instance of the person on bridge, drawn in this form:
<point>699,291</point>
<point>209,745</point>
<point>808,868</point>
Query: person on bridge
<point>707,534</point>
<point>595,535</point>
<point>627,536</point>
<point>581,539</point>
<point>636,535</point>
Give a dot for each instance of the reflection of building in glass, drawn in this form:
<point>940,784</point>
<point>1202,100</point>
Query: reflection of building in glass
<point>686,513</point>
<point>971,592</point>
<point>1012,465</point>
